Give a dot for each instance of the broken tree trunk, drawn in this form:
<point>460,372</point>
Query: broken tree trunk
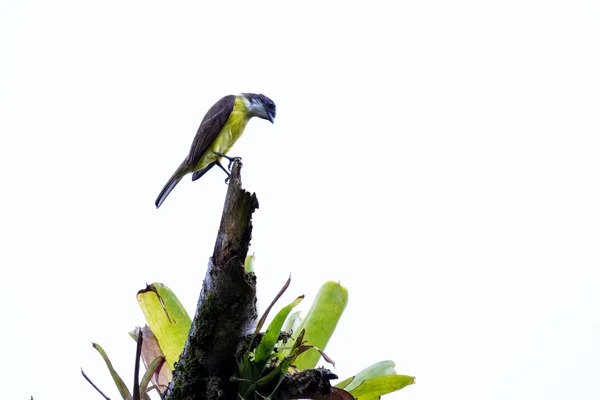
<point>226,309</point>
<point>226,315</point>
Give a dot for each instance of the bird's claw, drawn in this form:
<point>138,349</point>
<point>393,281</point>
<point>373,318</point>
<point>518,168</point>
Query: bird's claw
<point>231,159</point>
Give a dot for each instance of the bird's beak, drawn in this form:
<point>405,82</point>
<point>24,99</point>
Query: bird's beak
<point>271,117</point>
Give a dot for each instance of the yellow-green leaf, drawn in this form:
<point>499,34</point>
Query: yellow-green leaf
<point>167,319</point>
<point>249,263</point>
<point>381,368</point>
<point>320,322</point>
<point>267,343</point>
<point>152,370</point>
<point>373,388</point>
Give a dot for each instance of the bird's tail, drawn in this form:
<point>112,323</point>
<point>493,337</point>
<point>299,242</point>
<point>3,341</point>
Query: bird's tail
<point>173,181</point>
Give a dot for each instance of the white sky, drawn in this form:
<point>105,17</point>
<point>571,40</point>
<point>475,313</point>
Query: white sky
<point>440,159</point>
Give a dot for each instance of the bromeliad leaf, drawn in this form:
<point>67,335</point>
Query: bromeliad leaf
<point>93,385</point>
<point>251,371</point>
<point>373,388</point>
<point>167,319</point>
<point>150,352</point>
<point>326,357</point>
<point>381,368</point>
<point>152,369</point>
<point>125,393</point>
<point>344,383</point>
<point>279,371</point>
<point>266,345</point>
<point>321,320</point>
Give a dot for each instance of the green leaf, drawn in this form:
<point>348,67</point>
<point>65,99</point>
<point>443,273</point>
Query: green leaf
<point>344,383</point>
<point>125,394</point>
<point>251,371</point>
<point>281,378</point>
<point>167,319</point>
<point>372,388</point>
<point>152,369</point>
<point>381,368</point>
<point>244,367</point>
<point>278,371</point>
<point>266,345</point>
<point>321,320</point>
<point>249,263</point>
<point>250,388</point>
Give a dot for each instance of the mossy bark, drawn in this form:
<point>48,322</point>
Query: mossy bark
<point>226,315</point>
<point>226,309</point>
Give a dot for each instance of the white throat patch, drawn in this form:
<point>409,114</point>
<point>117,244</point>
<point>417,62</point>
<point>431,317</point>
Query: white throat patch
<point>254,108</point>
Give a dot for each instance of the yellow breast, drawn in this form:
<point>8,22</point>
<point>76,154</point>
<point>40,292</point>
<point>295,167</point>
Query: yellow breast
<point>230,133</point>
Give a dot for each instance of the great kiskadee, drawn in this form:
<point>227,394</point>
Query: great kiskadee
<point>221,127</point>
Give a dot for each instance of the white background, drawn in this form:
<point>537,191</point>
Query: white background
<point>438,158</point>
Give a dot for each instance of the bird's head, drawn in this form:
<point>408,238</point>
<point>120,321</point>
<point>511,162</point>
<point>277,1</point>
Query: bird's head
<point>260,106</point>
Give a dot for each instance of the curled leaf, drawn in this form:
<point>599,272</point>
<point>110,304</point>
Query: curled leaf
<point>167,319</point>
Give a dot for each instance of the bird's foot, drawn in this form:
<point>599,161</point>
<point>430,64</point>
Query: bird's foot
<point>224,170</point>
<point>231,159</point>
<point>238,159</point>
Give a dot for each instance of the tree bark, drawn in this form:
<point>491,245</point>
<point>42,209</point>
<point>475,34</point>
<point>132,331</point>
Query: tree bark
<point>226,309</point>
<point>226,316</point>
<point>309,384</point>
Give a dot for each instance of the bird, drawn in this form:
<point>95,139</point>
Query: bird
<point>220,128</point>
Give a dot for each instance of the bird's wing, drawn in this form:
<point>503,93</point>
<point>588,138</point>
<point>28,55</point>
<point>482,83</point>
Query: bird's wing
<point>210,127</point>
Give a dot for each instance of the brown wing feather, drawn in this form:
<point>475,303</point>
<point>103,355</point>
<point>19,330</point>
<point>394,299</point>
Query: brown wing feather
<point>210,127</point>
